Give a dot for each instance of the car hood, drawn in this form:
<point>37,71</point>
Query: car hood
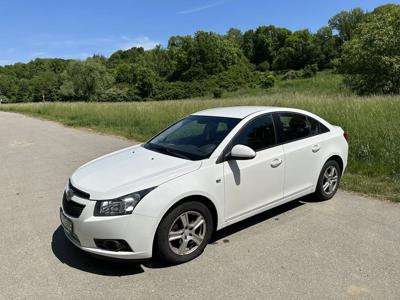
<point>129,170</point>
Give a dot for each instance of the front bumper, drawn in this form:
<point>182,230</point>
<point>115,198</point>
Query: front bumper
<point>137,230</point>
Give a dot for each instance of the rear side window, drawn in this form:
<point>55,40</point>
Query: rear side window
<point>297,126</point>
<point>316,127</point>
<point>258,134</point>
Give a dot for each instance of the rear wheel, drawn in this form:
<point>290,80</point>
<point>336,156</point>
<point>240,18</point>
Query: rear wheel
<point>328,181</point>
<point>184,232</point>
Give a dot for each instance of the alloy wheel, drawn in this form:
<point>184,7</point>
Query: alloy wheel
<point>187,232</point>
<point>330,180</point>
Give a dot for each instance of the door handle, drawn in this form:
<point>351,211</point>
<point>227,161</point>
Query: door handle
<point>276,162</point>
<point>315,148</point>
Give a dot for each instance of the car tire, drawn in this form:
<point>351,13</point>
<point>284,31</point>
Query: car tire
<point>184,232</point>
<point>328,181</point>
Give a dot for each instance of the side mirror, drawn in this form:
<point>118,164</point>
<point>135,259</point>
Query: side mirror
<point>241,152</point>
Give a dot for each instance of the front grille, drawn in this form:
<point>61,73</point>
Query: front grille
<point>72,208</point>
<point>77,192</point>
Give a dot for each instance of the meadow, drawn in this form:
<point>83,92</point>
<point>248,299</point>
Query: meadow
<point>372,122</point>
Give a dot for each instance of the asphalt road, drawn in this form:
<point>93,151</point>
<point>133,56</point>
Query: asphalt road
<point>348,247</point>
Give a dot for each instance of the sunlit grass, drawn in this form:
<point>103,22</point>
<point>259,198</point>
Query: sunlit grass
<point>372,123</point>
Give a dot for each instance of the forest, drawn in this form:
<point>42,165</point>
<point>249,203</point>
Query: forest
<point>363,46</point>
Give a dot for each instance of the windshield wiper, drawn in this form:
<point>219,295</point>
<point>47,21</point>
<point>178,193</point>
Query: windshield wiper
<point>166,150</point>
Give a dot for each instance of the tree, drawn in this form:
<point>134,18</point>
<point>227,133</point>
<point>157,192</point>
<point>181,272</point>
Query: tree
<point>8,87</point>
<point>248,44</point>
<point>124,73</point>
<point>371,59</point>
<point>132,55</point>
<point>262,45</point>
<point>299,51</point>
<point>88,79</point>
<point>235,35</point>
<point>45,87</point>
<point>23,92</point>
<point>346,22</point>
<point>267,41</point>
<point>328,45</point>
<point>159,60</point>
<point>180,49</point>
<point>204,55</point>
<point>145,81</point>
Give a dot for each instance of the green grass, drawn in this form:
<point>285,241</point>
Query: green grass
<point>372,123</point>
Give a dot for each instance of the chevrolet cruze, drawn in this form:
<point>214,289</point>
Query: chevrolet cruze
<point>207,171</point>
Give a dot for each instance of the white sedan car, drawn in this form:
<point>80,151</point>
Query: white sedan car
<point>207,171</point>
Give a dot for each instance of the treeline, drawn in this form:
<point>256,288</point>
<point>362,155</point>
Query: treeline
<point>192,66</point>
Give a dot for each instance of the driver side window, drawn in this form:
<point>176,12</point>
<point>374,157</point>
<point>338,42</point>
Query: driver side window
<point>258,134</point>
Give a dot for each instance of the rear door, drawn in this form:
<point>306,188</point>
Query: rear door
<point>254,183</point>
<point>300,136</point>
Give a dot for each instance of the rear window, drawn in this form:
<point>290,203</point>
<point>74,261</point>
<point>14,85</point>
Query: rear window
<point>297,126</point>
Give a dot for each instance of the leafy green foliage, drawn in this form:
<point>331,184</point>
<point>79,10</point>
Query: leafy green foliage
<point>371,59</point>
<point>298,51</point>
<point>45,86</point>
<point>346,22</point>
<point>307,72</point>
<point>86,80</point>
<point>205,54</point>
<point>196,66</point>
<point>145,81</point>
<point>217,93</point>
<point>267,80</point>
<point>329,46</point>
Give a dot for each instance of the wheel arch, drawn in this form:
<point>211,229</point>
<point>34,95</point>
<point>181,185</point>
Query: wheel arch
<point>199,198</point>
<point>338,159</point>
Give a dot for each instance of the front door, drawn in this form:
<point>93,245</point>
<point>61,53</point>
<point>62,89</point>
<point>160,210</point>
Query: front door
<point>254,183</point>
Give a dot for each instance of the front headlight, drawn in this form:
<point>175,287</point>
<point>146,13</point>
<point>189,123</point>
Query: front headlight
<point>120,206</point>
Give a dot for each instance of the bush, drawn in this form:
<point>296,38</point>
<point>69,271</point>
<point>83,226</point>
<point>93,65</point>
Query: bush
<point>264,66</point>
<point>234,78</point>
<point>217,93</point>
<point>183,90</point>
<point>4,99</point>
<point>114,94</point>
<point>267,81</point>
<point>309,71</point>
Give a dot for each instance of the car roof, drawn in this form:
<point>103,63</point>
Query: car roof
<point>234,111</point>
<point>242,112</point>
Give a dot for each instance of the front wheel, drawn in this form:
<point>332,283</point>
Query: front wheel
<point>328,181</point>
<point>184,232</point>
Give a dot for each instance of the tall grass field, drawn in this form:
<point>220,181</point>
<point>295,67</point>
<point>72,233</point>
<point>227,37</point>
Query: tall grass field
<point>373,123</point>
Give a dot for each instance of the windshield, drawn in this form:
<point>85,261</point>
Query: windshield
<point>194,137</point>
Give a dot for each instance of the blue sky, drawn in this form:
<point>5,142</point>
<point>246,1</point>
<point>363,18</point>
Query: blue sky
<point>77,29</point>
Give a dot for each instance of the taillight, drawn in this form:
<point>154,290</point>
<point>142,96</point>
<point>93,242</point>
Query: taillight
<point>346,136</point>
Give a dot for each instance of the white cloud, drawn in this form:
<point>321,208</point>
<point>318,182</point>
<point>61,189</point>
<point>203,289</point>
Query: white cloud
<point>200,8</point>
<point>122,42</point>
<point>143,41</point>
